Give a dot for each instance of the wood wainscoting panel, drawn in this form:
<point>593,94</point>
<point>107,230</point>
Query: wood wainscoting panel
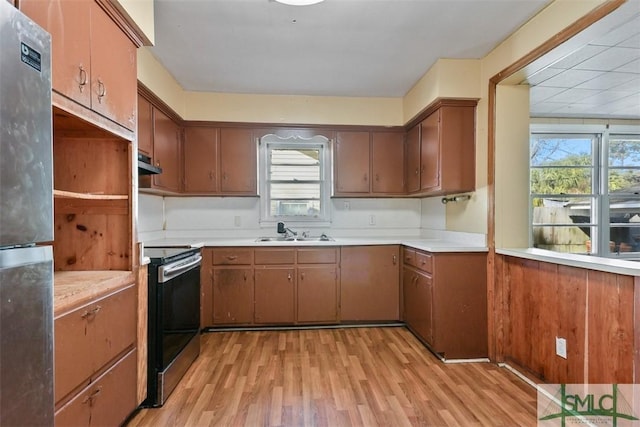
<point>593,311</point>
<point>611,334</point>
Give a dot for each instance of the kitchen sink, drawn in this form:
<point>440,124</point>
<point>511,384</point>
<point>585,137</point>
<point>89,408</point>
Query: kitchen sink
<point>322,238</point>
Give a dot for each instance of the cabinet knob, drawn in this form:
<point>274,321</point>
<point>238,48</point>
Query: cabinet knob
<point>232,257</point>
<point>366,177</point>
<point>417,171</point>
<point>377,177</point>
<point>83,78</point>
<point>289,276</point>
<point>301,276</point>
<point>395,260</point>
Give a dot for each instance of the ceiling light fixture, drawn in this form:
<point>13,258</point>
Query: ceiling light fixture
<point>299,2</point>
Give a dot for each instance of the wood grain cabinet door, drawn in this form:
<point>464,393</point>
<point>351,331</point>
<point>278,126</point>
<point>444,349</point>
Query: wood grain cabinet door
<point>113,70</point>
<point>166,152</point>
<point>413,159</point>
<point>232,295</point>
<point>68,23</point>
<point>145,126</point>
<point>200,161</point>
<point>274,295</point>
<point>424,309</point>
<point>238,162</point>
<point>317,294</point>
<point>370,283</point>
<point>430,153</point>
<point>352,174</point>
<point>387,162</point>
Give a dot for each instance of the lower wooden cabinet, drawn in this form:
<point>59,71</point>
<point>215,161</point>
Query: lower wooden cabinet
<point>232,295</point>
<point>445,301</point>
<point>370,283</point>
<point>95,361</point>
<point>318,294</point>
<point>274,294</point>
<point>107,401</point>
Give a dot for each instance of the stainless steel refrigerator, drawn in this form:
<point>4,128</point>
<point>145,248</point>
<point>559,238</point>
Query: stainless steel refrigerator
<point>26,222</point>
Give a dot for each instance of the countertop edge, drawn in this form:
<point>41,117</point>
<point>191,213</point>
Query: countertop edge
<point>73,289</point>
<point>607,265</point>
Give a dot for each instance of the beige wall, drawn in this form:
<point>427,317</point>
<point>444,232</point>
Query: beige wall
<point>141,11</point>
<point>447,78</point>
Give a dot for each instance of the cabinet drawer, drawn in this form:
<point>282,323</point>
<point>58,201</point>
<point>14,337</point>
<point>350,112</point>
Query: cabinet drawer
<point>91,336</point>
<point>409,257</point>
<point>275,256</point>
<point>107,401</point>
<point>317,256</point>
<point>424,261</point>
<point>232,256</point>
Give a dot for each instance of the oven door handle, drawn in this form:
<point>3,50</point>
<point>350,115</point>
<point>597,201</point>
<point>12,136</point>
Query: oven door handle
<point>168,272</point>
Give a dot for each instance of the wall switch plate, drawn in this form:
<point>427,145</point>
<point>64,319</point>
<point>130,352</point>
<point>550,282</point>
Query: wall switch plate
<point>561,347</point>
<point>347,205</point>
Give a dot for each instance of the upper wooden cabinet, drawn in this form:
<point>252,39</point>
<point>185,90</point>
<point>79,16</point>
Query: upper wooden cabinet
<point>238,162</point>
<point>447,150</point>
<point>166,152</point>
<point>94,62</point>
<point>368,163</point>
<point>351,161</point>
<point>145,126</point>
<point>201,160</point>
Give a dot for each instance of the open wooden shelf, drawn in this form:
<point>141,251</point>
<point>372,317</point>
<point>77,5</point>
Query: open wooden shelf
<point>75,288</point>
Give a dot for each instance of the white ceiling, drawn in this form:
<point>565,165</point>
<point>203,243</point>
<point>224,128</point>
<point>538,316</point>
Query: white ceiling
<point>380,48</point>
<point>335,48</point>
<point>596,75</point>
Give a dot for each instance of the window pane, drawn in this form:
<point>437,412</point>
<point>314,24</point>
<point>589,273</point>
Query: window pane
<point>624,180</point>
<point>624,150</point>
<point>559,212</point>
<point>294,173</point>
<point>572,180</point>
<point>295,207</point>
<point>295,191</point>
<point>563,238</point>
<point>295,156</point>
<point>561,151</point>
<point>624,239</point>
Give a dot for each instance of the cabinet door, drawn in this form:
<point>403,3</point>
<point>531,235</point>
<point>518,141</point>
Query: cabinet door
<point>409,292</point>
<point>370,283</point>
<point>352,162</point>
<point>423,323</point>
<point>457,135</point>
<point>238,160</point>
<point>387,159</point>
<point>274,295</point>
<point>413,159</point>
<point>200,163</point>
<point>317,294</point>
<point>166,152</point>
<point>68,23</point>
<point>113,70</point>
<point>145,126</point>
<point>232,295</point>
<point>430,152</point>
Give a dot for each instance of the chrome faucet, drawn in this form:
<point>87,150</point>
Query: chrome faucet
<point>287,231</point>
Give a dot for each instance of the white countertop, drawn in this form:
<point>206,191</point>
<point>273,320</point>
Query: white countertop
<point>609,265</point>
<point>430,245</point>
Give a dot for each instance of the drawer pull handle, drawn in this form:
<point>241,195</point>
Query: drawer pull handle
<point>91,313</point>
<point>232,257</point>
<point>395,260</point>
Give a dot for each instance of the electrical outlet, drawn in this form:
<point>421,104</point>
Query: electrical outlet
<point>561,347</point>
<point>347,205</point>
<point>372,220</point>
<point>237,221</point>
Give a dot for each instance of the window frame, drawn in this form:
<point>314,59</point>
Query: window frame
<point>600,196</point>
<point>270,142</point>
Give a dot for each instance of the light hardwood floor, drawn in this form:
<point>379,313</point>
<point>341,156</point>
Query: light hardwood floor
<point>338,377</point>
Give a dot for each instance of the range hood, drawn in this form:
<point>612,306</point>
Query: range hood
<point>145,167</point>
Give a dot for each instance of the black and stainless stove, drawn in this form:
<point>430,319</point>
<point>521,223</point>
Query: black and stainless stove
<point>173,318</point>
